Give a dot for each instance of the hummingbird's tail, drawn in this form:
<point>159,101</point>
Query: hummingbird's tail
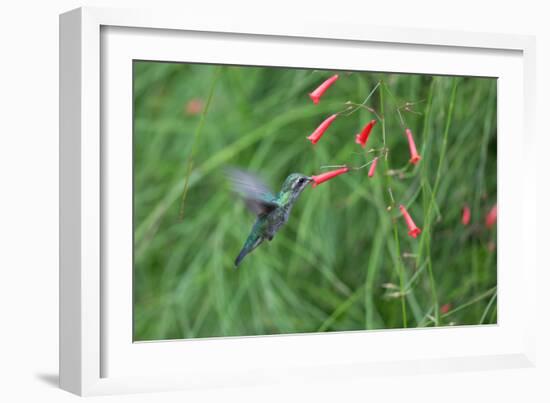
<point>247,248</point>
<point>241,256</point>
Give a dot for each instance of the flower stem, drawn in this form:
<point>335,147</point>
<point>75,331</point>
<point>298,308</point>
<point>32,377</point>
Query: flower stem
<point>389,180</point>
<point>362,104</point>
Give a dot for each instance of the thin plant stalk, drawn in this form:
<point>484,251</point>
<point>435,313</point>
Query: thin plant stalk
<point>400,268</point>
<point>426,238</point>
<point>196,139</point>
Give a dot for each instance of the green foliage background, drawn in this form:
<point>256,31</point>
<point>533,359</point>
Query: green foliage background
<point>343,261</point>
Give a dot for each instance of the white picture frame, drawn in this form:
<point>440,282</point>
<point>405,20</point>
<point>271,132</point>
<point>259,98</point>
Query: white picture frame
<point>97,355</point>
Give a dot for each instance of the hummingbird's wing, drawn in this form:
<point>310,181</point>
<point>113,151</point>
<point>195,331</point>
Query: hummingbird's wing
<point>256,194</point>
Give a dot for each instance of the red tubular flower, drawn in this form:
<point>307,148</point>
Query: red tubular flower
<point>320,90</point>
<point>491,217</point>
<point>415,157</point>
<point>318,179</point>
<point>445,308</point>
<point>318,133</point>
<point>373,167</point>
<point>364,136</point>
<point>194,107</point>
<point>466,215</point>
<point>413,229</point>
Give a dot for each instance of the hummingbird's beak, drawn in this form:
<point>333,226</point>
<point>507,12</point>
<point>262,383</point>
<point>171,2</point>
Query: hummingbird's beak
<point>309,179</point>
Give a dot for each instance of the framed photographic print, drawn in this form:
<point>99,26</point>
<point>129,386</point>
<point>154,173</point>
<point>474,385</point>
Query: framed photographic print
<point>247,204</point>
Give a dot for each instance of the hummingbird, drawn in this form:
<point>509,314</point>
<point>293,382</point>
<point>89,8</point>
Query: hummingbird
<point>272,210</point>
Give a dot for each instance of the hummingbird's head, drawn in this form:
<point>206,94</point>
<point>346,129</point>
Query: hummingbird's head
<point>295,184</point>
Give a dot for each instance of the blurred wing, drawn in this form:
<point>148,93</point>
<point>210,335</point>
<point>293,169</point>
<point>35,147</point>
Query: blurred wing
<point>257,196</point>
